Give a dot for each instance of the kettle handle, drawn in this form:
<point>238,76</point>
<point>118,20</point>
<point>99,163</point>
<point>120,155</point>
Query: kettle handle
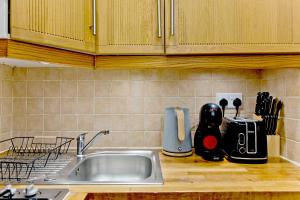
<point>180,124</point>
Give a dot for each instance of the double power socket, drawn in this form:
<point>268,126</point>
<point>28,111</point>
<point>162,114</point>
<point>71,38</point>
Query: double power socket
<point>230,97</point>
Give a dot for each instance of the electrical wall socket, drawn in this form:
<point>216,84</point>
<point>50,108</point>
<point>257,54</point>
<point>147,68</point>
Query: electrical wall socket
<point>230,97</point>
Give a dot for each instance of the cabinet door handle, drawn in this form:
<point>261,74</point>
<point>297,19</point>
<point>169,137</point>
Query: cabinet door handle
<point>159,34</point>
<point>94,18</point>
<point>172,17</point>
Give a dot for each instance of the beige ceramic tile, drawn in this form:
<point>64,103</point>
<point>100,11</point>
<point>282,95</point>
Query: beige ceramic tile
<point>292,129</point>
<point>195,74</point>
<point>102,88</point>
<point>52,122</point>
<point>6,123</point>
<point>68,105</point>
<point>119,122</point>
<point>153,122</point>
<point>35,106</point>
<point>153,88</point>
<point>86,88</point>
<point>68,123</point>
<point>35,122</point>
<point>235,86</point>
<point>169,74</point>
<point>167,102</point>
<point>291,107</point>
<point>85,106</point>
<point>35,88</point>
<point>203,88</point>
<point>252,87</point>
<point>228,74</point>
<point>85,123</point>
<point>152,139</point>
<point>152,105</point>
<point>249,104</point>
<point>52,89</point>
<point>252,74</point>
<point>283,147</point>
<point>103,105</point>
<point>135,105</point>
<point>102,122</point>
<point>19,106</point>
<point>85,74</point>
<point>20,73</point>
<point>293,149</point>
<point>36,74</point>
<point>169,89</point>
<point>152,74</point>
<point>68,74</point>
<point>7,106</point>
<point>276,87</point>
<point>137,74</point>
<point>19,123</point>
<point>120,88</point>
<point>271,74</point>
<point>186,88</point>
<point>292,85</point>
<point>69,89</point>
<point>6,72</point>
<point>19,88</point>
<point>189,103</point>
<point>119,105</point>
<point>137,88</point>
<point>52,106</point>
<point>136,122</point>
<point>52,74</point>
<point>7,88</point>
<point>107,74</point>
<point>135,139</point>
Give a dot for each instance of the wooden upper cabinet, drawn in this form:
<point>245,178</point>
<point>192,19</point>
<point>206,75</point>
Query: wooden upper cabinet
<point>130,27</point>
<point>232,26</point>
<point>59,23</point>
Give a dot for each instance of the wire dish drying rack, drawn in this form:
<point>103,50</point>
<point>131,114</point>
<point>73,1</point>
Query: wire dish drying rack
<point>29,154</point>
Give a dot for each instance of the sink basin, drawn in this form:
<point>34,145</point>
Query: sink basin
<point>114,167</point>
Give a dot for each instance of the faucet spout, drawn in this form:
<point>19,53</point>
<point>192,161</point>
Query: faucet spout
<point>81,147</point>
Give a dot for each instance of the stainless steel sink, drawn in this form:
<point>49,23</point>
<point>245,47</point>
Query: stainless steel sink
<point>113,167</point>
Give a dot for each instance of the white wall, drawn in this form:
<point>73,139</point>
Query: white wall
<point>3,18</point>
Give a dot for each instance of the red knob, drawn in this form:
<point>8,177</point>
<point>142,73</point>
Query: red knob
<point>210,142</point>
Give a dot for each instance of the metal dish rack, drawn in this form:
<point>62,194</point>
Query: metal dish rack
<point>26,154</point>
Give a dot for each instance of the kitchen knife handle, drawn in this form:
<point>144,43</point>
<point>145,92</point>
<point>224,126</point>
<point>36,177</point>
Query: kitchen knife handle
<point>159,34</point>
<point>172,18</point>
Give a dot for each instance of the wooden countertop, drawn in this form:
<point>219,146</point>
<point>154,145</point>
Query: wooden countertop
<point>195,175</point>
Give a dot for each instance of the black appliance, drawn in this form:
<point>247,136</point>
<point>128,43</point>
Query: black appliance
<point>207,140</point>
<point>244,140</point>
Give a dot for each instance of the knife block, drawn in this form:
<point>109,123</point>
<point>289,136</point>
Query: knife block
<point>273,142</point>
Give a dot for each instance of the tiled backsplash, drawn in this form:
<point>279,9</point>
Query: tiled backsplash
<point>5,102</point>
<point>130,103</point>
<point>69,101</point>
<point>285,83</point>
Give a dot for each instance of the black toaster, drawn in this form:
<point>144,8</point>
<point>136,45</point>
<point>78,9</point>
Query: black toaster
<point>244,140</point>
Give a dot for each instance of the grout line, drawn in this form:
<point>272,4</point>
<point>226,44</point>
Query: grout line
<point>291,161</point>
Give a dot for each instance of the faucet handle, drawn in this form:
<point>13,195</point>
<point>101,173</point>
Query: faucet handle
<point>81,136</point>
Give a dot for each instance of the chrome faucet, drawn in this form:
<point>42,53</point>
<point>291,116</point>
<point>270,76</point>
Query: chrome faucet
<point>81,147</point>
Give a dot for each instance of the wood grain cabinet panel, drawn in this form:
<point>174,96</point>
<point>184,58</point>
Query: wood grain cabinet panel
<point>130,27</point>
<point>59,23</point>
<point>232,26</point>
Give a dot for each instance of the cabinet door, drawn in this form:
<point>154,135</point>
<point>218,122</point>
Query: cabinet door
<point>130,27</point>
<point>59,23</point>
<point>232,26</point>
